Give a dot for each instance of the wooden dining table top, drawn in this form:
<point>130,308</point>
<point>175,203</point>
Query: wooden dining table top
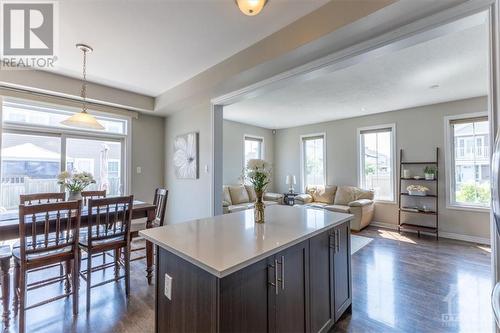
<point>9,221</point>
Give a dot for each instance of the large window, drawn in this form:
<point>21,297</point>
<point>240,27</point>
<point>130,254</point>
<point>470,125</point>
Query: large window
<point>313,160</point>
<point>36,148</point>
<point>376,161</point>
<point>468,159</point>
<point>254,148</point>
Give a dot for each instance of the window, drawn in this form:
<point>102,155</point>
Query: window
<point>254,148</point>
<point>468,159</point>
<point>376,161</point>
<point>313,160</point>
<point>36,148</point>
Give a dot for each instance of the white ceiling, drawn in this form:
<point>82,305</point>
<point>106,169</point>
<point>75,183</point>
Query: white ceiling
<point>457,62</point>
<point>150,46</point>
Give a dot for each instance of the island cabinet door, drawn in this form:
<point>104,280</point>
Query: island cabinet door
<point>342,269</point>
<point>289,300</point>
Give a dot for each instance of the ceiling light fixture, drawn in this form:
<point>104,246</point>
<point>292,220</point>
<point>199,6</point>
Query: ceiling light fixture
<point>434,86</point>
<point>251,7</point>
<point>83,119</point>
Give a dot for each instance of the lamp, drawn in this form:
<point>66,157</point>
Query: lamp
<point>290,181</point>
<point>251,7</point>
<point>83,119</point>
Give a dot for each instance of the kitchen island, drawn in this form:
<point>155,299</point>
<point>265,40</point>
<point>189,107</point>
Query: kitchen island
<point>228,274</point>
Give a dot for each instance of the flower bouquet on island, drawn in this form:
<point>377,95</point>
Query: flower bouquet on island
<point>258,173</point>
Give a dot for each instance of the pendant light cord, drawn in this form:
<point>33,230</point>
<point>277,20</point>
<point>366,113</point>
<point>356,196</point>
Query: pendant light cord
<point>84,83</point>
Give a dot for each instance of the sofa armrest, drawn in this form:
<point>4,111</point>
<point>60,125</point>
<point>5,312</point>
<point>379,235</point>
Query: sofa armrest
<point>276,197</point>
<point>360,203</point>
<point>302,199</point>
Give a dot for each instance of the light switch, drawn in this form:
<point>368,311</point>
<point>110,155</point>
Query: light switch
<point>206,168</point>
<point>139,170</point>
<point>168,287</point>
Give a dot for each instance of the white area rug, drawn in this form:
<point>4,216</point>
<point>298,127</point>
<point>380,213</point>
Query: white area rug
<point>358,242</point>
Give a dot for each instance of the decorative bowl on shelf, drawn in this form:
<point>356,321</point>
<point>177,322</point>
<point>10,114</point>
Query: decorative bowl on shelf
<point>418,193</point>
<point>417,177</point>
<point>418,190</point>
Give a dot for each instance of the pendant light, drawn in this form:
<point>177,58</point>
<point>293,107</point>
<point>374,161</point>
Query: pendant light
<point>83,119</point>
<point>251,7</point>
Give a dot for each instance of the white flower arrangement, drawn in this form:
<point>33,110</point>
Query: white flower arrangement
<point>258,172</point>
<point>417,188</point>
<point>75,182</point>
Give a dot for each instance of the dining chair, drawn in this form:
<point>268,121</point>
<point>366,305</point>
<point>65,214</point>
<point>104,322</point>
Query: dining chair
<point>86,195</point>
<point>49,234</point>
<point>39,198</point>
<point>5,255</point>
<point>108,229</point>
<point>160,201</point>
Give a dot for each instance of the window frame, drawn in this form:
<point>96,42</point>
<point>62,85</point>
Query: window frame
<point>360,160</point>
<point>252,137</point>
<point>302,157</point>
<point>450,161</point>
<point>69,133</point>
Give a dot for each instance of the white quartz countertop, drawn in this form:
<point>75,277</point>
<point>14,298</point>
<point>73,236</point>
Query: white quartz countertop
<point>227,243</point>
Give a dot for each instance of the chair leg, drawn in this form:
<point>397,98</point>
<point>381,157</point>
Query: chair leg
<point>15,296</point>
<point>127,270</point>
<point>89,276</point>
<point>22,300</point>
<point>117,265</point>
<point>75,282</point>
<point>67,285</point>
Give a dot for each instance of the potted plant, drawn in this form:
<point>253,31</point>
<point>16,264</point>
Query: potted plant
<point>430,172</point>
<point>258,174</point>
<point>417,190</point>
<point>75,183</point>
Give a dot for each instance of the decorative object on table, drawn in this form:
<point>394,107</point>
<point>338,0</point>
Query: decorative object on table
<point>289,198</point>
<point>258,174</point>
<point>430,172</point>
<point>406,173</point>
<point>83,119</point>
<point>290,181</point>
<point>75,183</point>
<point>417,190</point>
<point>186,156</point>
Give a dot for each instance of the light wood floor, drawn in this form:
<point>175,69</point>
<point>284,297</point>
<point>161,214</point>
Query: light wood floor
<point>400,284</point>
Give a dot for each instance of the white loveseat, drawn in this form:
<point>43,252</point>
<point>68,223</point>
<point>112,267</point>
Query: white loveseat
<point>343,199</point>
<point>238,197</point>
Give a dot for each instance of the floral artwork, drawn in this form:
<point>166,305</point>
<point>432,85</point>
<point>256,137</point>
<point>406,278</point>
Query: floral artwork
<point>186,156</point>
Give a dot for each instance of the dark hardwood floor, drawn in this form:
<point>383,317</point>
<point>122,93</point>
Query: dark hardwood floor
<point>400,284</point>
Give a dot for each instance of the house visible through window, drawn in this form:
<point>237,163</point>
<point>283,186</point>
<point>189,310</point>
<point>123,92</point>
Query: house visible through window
<point>313,159</point>
<point>36,148</point>
<point>376,161</point>
<point>470,162</point>
<point>253,148</point>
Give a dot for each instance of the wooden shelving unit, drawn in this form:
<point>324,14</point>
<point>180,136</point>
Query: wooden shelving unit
<point>404,210</point>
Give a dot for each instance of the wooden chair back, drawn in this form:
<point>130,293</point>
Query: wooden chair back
<point>86,195</point>
<point>109,218</point>
<point>160,201</point>
<point>39,198</point>
<point>48,226</point>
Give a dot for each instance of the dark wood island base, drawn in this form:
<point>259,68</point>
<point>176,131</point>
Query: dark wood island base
<point>303,288</point>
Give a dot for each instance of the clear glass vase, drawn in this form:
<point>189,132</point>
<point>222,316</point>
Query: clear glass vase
<point>259,207</point>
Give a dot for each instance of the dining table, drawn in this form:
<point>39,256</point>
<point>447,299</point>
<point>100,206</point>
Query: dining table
<point>9,227</point>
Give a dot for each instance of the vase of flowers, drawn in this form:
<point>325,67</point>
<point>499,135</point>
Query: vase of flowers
<point>75,183</point>
<point>417,190</point>
<point>258,174</point>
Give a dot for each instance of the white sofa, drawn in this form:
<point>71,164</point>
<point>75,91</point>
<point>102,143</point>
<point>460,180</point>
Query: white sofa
<point>238,197</point>
<point>343,199</point>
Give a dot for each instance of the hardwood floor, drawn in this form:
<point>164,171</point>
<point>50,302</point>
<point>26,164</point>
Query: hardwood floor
<point>400,284</point>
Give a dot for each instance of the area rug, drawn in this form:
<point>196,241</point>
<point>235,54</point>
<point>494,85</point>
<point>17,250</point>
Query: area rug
<point>358,242</point>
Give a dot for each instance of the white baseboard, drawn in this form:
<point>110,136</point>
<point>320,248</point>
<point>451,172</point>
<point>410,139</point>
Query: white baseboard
<point>449,235</point>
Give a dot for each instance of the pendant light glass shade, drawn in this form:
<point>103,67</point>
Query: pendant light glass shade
<point>251,7</point>
<point>83,120</point>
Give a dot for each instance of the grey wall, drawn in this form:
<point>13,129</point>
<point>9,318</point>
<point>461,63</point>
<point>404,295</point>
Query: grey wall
<point>233,150</point>
<point>148,135</point>
<point>189,198</point>
<point>418,132</point>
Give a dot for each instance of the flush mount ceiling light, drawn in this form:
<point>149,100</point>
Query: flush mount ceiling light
<point>434,86</point>
<point>251,7</point>
<point>83,119</point>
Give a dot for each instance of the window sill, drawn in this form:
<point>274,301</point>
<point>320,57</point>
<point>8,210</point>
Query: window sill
<point>469,208</point>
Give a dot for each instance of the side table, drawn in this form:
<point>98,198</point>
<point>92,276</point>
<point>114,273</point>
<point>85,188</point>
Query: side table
<point>5,255</point>
<point>289,198</point>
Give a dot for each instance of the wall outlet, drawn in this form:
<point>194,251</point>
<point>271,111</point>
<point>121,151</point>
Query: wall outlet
<point>168,287</point>
<point>139,170</point>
